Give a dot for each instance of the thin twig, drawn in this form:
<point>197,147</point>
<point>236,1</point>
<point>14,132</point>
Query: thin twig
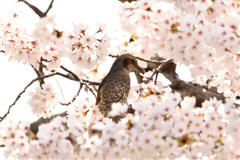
<point>39,74</point>
<point>89,89</point>
<point>113,56</point>
<point>91,82</point>
<point>36,10</point>
<point>60,88</point>
<point>127,1</point>
<point>2,51</point>
<point>49,7</point>
<point>156,71</point>
<point>76,78</point>
<point>155,82</point>
<point>85,82</point>
<point>20,94</point>
<point>153,61</point>
<point>144,60</point>
<point>74,98</point>
<point>73,74</point>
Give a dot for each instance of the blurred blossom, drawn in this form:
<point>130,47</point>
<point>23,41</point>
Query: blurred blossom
<point>118,109</point>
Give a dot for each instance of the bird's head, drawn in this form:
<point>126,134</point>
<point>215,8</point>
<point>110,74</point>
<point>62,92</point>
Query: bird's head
<point>130,63</point>
<point>126,61</point>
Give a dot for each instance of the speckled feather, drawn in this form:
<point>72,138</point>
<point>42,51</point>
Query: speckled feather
<point>115,86</point>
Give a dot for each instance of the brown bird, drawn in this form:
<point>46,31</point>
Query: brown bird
<point>115,86</point>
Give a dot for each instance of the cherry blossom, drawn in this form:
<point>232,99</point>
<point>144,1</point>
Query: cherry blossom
<point>43,100</point>
<point>118,109</point>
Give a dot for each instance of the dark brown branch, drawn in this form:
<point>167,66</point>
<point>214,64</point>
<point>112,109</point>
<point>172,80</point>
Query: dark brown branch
<point>73,76</point>
<point>198,90</point>
<point>168,69</point>
<point>153,61</point>
<point>39,74</point>
<point>127,1</point>
<point>91,90</point>
<point>156,62</point>
<point>20,94</point>
<point>49,7</point>
<point>70,72</point>
<point>34,126</point>
<point>113,56</point>
<point>36,10</point>
<point>156,71</point>
<point>91,82</point>
<point>2,51</point>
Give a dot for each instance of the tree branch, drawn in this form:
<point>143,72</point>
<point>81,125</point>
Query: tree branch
<point>49,7</point>
<point>73,76</point>
<point>39,74</point>
<point>126,0</point>
<point>157,70</point>
<point>71,73</point>
<point>34,126</point>
<point>82,81</point>
<point>20,94</point>
<point>91,90</point>
<point>91,82</point>
<point>156,62</point>
<point>36,10</point>
<point>168,69</point>
<point>159,62</point>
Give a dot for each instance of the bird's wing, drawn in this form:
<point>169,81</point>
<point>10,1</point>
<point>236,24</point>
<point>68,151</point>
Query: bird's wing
<point>100,88</point>
<point>110,92</point>
<point>99,97</point>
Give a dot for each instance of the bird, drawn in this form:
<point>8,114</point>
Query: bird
<point>115,85</point>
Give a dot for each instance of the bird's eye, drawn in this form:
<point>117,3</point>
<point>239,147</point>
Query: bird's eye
<point>133,61</point>
<point>126,62</point>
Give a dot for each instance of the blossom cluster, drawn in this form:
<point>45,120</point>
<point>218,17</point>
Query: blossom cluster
<point>163,125</point>
<point>49,45</point>
<point>14,137</point>
<point>201,34</point>
<point>53,47</point>
<point>25,49</point>
<point>43,100</point>
<point>88,46</point>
